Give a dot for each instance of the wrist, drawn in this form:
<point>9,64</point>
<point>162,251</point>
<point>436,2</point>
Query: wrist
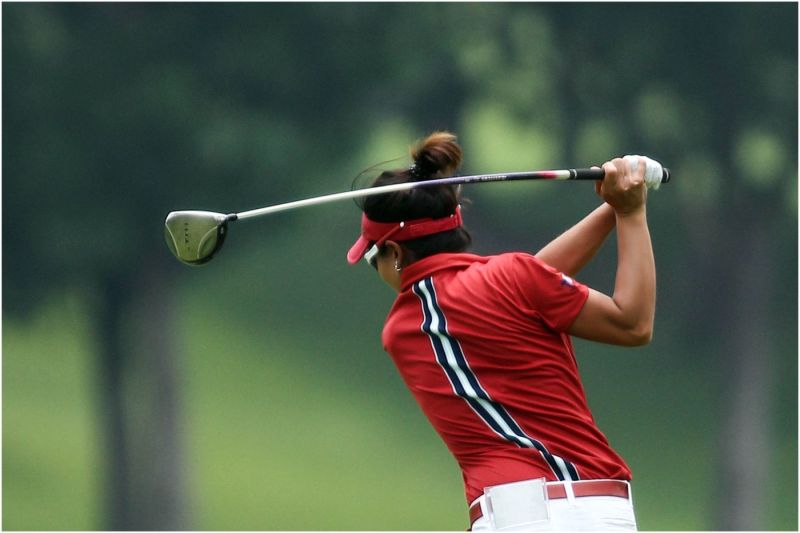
<point>606,215</point>
<point>609,211</point>
<point>636,212</point>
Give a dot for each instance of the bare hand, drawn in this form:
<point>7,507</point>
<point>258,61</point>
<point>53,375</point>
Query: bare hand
<point>623,189</point>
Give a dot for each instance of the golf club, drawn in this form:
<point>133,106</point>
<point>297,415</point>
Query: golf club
<point>194,237</point>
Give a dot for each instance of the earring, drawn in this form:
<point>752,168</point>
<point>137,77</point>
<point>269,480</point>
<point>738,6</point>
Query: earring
<point>397,266</point>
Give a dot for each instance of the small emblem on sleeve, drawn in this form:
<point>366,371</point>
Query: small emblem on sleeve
<point>566,280</point>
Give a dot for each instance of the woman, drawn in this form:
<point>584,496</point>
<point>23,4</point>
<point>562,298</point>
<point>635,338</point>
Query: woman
<point>484,345</point>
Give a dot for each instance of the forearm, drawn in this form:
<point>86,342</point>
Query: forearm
<point>635,285</point>
<point>573,249</point>
<point>627,316</point>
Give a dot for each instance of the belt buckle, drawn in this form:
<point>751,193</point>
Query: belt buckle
<point>522,503</point>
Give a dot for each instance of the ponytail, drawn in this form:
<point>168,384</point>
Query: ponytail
<point>438,155</point>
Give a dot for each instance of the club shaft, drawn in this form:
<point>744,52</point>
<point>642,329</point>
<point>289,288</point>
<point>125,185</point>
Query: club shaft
<point>569,174</point>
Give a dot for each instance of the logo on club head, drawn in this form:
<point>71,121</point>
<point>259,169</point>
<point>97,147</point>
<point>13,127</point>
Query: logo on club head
<point>186,234</point>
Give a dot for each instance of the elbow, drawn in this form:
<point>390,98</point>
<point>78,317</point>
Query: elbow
<point>641,339</point>
<point>639,335</point>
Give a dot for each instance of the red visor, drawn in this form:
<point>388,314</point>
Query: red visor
<point>380,232</point>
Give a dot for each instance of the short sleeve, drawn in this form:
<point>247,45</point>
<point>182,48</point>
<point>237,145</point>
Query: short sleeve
<point>545,292</point>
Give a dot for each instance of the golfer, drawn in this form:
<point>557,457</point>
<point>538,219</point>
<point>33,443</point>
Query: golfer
<point>483,342</point>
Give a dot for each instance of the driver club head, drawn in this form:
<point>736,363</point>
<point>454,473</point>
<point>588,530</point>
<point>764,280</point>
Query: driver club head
<point>195,236</point>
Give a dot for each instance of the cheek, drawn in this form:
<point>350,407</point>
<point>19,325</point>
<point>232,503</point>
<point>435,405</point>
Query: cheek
<point>383,271</point>
<point>386,270</point>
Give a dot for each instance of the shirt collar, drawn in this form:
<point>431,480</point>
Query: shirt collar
<point>428,266</point>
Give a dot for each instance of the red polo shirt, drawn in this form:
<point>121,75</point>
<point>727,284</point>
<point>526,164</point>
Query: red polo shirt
<point>481,343</point>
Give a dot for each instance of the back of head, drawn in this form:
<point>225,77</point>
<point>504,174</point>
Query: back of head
<point>435,156</point>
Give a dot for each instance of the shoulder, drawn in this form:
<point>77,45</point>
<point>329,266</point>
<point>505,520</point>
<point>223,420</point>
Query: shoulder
<point>514,263</point>
<point>530,277</point>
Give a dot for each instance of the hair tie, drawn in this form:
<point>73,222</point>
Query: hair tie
<point>415,172</point>
<point>421,170</point>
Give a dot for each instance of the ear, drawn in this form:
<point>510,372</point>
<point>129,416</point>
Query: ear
<point>394,251</point>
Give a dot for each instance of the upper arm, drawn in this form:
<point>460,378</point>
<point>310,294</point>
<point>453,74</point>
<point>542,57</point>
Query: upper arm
<point>541,292</point>
<point>564,304</point>
<point>601,320</point>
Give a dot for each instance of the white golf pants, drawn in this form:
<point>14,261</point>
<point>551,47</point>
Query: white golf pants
<point>575,513</point>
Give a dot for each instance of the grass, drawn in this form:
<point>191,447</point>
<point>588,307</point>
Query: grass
<point>51,472</point>
<point>287,431</point>
<point>277,445</point>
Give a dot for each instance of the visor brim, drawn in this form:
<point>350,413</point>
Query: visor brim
<point>357,251</point>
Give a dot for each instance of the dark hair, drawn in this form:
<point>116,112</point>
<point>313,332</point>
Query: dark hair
<point>436,156</point>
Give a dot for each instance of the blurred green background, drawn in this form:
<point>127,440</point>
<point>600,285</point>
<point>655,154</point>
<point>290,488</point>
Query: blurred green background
<point>253,393</point>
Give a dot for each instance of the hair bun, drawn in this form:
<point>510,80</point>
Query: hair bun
<point>437,155</point>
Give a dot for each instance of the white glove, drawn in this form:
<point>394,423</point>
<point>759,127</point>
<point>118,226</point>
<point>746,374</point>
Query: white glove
<point>652,172</point>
